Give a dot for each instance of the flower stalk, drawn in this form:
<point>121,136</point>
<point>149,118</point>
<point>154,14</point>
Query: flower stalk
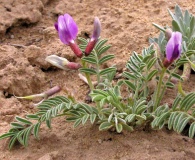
<point>87,75</point>
<point>158,91</point>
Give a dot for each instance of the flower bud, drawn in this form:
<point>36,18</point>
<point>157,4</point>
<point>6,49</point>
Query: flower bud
<point>94,37</point>
<point>52,91</point>
<point>168,33</point>
<point>173,48</point>
<point>62,63</point>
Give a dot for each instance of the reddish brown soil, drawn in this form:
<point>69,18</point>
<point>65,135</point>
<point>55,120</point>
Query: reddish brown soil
<point>28,36</point>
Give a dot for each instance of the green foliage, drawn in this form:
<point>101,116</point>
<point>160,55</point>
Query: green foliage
<point>22,128</point>
<point>184,23</point>
<point>113,110</point>
<point>96,59</point>
<point>141,70</point>
<point>178,116</point>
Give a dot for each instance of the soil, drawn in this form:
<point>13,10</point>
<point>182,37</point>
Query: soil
<point>28,36</point>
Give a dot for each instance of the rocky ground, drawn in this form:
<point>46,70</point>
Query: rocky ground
<point>27,36</point>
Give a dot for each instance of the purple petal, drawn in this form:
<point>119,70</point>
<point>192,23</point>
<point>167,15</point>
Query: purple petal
<point>71,25</point>
<point>173,48</point>
<point>67,28</point>
<point>97,29</point>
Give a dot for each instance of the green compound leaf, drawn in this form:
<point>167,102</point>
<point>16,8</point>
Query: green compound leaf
<point>177,120</point>
<point>32,116</point>
<point>159,27</point>
<point>20,136</point>
<point>26,135</point>
<point>129,75</point>
<point>87,70</point>
<point>130,118</point>
<point>72,119</point>
<point>151,63</point>
<point>90,59</point>
<point>83,40</point>
<point>105,126</point>
<point>93,118</point>
<point>23,120</point>
<point>16,125</point>
<point>6,135</point>
<point>188,102</point>
<point>127,127</point>
<point>87,107</point>
<point>48,123</point>
<point>152,74</point>
<point>130,85</point>
<point>176,102</point>
<point>77,122</point>
<point>100,44</point>
<point>177,76</point>
<point>170,85</point>
<point>103,49</point>
<point>119,127</point>
<point>133,70</point>
<point>139,58</point>
<point>106,58</point>
<point>182,124</point>
<point>96,98</point>
<point>107,70</point>
<point>12,142</point>
<point>85,118</point>
<point>36,130</point>
<point>192,130</point>
<point>176,27</point>
<point>162,118</point>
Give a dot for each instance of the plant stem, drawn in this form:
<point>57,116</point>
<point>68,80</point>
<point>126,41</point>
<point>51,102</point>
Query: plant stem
<point>88,76</point>
<point>157,93</point>
<point>180,89</point>
<point>137,90</point>
<point>97,67</point>
<point>146,85</point>
<point>165,87</point>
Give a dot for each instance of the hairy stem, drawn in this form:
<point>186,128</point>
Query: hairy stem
<point>180,89</point>
<point>158,91</point>
<point>146,85</point>
<point>165,87</point>
<point>88,77</point>
<point>97,68</point>
<point>137,90</point>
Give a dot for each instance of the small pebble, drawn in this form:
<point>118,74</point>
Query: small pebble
<point>12,36</point>
<point>99,141</point>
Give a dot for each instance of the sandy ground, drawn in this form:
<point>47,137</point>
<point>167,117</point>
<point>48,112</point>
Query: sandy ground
<point>28,36</point>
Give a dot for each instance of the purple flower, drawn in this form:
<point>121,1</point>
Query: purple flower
<point>67,31</point>
<point>173,48</point>
<point>94,37</point>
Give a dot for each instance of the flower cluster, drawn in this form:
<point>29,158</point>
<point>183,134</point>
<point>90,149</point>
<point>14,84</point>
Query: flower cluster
<point>67,30</point>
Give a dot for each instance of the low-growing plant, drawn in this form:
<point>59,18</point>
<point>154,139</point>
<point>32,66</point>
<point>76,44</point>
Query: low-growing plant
<point>110,108</point>
<point>185,24</point>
